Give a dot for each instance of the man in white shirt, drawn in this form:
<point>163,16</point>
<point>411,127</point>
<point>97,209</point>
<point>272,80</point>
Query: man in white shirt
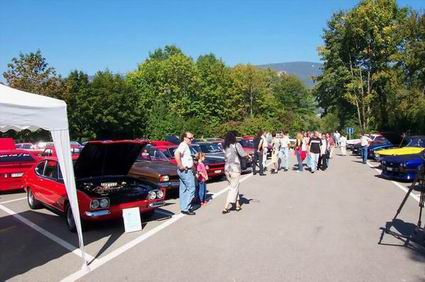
<point>185,171</point>
<point>364,142</point>
<point>284,150</point>
<point>343,144</point>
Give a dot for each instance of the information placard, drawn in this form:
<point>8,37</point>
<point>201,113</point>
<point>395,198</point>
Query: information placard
<point>132,221</point>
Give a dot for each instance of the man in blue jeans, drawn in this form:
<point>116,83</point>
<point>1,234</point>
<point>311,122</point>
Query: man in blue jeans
<point>185,171</point>
<point>364,142</point>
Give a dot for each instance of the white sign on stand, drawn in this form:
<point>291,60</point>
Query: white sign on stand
<point>132,221</point>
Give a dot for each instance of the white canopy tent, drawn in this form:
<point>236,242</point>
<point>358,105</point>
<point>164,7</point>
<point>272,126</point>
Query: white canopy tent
<point>20,110</point>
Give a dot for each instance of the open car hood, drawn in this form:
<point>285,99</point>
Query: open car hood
<point>100,158</point>
<point>396,138</point>
<point>400,151</point>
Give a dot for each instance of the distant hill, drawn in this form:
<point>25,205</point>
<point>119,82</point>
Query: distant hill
<point>303,70</point>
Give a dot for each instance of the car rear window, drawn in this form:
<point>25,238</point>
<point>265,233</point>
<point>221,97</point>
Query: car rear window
<point>15,157</point>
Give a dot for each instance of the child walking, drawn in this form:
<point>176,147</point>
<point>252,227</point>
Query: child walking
<point>202,176</point>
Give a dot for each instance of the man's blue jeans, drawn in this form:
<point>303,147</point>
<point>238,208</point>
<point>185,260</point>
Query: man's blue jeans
<point>364,154</point>
<point>186,189</point>
<point>314,161</point>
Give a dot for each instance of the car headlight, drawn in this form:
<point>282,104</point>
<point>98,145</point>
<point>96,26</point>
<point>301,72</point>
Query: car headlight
<point>151,195</point>
<point>160,194</point>
<point>164,178</point>
<point>104,203</point>
<point>94,204</point>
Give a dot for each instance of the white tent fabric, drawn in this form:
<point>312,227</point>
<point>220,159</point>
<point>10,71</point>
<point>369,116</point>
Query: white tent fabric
<point>20,110</point>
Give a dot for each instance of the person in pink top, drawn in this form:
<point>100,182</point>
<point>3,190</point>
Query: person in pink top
<point>202,176</point>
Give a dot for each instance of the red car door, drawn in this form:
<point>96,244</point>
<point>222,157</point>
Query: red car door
<point>53,189</point>
<point>38,182</point>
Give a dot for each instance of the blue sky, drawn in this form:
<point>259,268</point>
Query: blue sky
<point>94,35</point>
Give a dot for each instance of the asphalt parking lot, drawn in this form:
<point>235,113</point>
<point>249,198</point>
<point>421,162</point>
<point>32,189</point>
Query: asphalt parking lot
<point>293,227</point>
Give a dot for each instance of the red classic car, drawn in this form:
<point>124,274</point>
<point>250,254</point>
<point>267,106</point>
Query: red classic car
<point>103,187</point>
<point>13,166</point>
<point>165,148</point>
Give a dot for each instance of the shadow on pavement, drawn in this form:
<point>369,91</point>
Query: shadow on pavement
<point>22,248</point>
<point>396,180</point>
<point>405,233</point>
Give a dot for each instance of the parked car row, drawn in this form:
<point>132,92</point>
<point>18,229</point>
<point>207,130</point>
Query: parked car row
<point>110,175</point>
<point>399,158</point>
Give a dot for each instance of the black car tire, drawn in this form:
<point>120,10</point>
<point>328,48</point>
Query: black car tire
<point>69,219</point>
<point>33,203</point>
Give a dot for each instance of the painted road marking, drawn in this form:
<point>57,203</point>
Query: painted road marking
<point>414,196</point>
<point>11,201</point>
<point>75,250</point>
<point>101,261</point>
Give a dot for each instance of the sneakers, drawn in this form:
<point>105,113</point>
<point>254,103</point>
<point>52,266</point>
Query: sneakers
<point>189,212</point>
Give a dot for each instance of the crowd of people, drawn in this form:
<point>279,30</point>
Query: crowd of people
<point>313,151</point>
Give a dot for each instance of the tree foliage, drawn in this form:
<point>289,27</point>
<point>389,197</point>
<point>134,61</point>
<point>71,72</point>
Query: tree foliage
<point>170,92</point>
<point>373,56</point>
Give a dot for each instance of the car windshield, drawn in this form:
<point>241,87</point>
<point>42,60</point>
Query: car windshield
<point>211,148</point>
<point>416,142</point>
<point>194,149</point>
<point>150,153</point>
<point>380,140</point>
<point>247,143</point>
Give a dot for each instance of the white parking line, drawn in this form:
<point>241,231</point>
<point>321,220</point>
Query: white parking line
<point>414,196</point>
<point>101,261</point>
<point>14,200</point>
<point>56,239</point>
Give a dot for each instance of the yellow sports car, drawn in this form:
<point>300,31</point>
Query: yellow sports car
<point>415,145</point>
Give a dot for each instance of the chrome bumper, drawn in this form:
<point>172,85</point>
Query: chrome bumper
<point>156,204</point>
<point>97,213</point>
<point>170,184</point>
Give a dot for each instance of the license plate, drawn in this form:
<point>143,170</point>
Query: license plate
<point>390,169</point>
<point>18,174</point>
<point>217,171</point>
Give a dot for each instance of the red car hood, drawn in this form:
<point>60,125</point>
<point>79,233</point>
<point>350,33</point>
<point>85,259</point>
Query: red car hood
<point>100,158</point>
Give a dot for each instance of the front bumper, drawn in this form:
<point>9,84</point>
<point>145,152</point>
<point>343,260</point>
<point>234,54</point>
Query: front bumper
<point>396,174</point>
<point>215,172</point>
<point>115,212</point>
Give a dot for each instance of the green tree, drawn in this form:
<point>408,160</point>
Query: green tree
<point>31,72</point>
<point>80,101</point>
<point>360,52</point>
<point>116,111</point>
<point>212,97</point>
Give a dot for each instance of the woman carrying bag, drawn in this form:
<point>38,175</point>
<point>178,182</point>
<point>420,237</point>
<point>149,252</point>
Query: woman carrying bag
<point>232,168</point>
